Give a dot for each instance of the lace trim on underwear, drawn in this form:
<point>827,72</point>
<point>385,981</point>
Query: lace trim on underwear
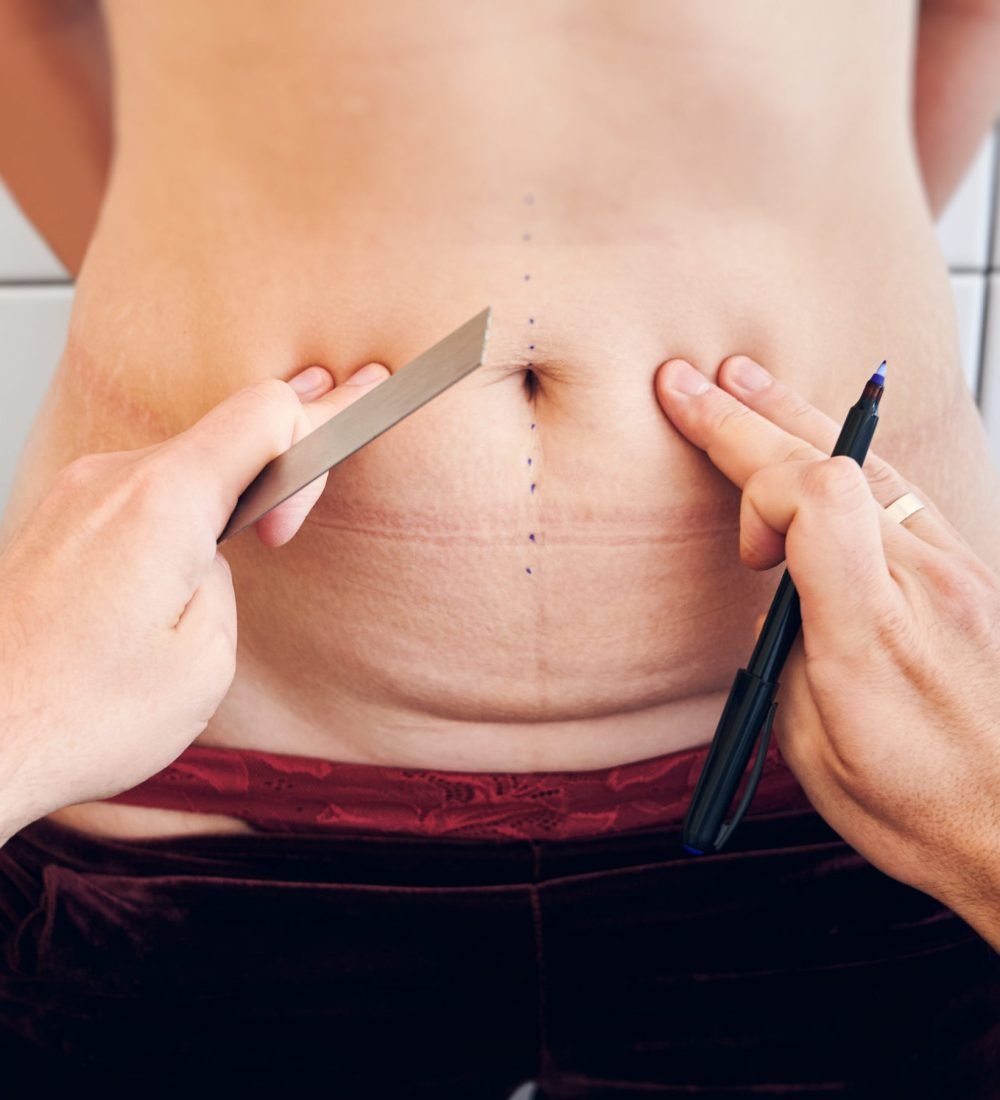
<point>280,793</point>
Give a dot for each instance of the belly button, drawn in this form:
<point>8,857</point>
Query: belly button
<point>530,384</point>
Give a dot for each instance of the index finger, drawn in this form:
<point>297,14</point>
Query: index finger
<point>781,405</point>
<point>746,435</point>
<point>737,440</point>
<point>771,424</point>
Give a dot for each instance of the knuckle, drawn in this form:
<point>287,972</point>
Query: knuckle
<point>968,593</point>
<point>273,394</point>
<point>834,480</point>
<point>790,407</point>
<point>752,485</point>
<point>761,544</point>
<point>883,481</point>
<point>752,549</point>
<point>730,416</point>
<point>81,471</point>
<point>277,405</point>
<point>893,630</point>
<point>151,488</point>
<point>800,451</point>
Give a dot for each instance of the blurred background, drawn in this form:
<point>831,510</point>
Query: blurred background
<point>36,295</point>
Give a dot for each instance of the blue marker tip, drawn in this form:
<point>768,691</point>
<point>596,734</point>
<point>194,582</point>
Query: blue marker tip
<point>879,375</point>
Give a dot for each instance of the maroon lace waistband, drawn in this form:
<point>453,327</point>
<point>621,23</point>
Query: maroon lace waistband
<point>279,793</point>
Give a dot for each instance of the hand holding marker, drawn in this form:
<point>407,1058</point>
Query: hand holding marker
<point>749,710</point>
<point>890,700</point>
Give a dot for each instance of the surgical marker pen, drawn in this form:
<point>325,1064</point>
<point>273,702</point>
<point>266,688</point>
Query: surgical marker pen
<point>749,710</point>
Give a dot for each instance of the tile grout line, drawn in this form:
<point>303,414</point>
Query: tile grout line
<point>32,284</point>
<point>991,245</point>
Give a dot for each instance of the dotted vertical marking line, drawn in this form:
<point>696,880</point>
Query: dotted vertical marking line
<point>526,236</point>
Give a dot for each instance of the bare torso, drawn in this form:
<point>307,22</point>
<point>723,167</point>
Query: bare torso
<point>525,575</point>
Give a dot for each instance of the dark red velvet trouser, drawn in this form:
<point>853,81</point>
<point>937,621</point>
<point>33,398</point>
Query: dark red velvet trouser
<point>405,966</point>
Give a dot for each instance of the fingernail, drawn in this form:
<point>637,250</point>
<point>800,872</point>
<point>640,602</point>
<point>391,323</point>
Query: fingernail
<point>312,378</point>
<point>747,375</point>
<point>374,372</point>
<point>683,378</point>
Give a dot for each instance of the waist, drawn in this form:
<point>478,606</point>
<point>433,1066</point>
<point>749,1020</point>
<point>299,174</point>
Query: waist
<point>280,793</point>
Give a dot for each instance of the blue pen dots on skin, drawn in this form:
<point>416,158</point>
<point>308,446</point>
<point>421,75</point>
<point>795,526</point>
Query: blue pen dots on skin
<point>530,381</point>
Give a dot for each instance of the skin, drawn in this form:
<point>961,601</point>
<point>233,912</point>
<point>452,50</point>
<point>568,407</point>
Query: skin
<point>56,143</point>
<point>903,617</point>
<point>288,187</point>
<point>143,522</point>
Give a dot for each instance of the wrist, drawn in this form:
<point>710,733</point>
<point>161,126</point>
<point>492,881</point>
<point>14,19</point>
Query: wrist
<point>20,803</point>
<point>21,721</point>
<point>974,892</point>
<point>17,804</point>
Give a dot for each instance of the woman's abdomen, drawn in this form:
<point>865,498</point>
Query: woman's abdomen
<point>534,571</point>
<point>516,578</point>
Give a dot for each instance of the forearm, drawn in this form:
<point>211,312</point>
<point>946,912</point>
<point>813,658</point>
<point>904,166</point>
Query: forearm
<point>55,124</point>
<point>957,89</point>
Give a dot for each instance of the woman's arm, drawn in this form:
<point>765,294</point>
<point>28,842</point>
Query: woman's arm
<point>55,117</point>
<point>957,89</point>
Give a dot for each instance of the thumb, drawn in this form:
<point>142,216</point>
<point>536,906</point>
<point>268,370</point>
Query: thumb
<point>320,404</point>
<point>218,456</point>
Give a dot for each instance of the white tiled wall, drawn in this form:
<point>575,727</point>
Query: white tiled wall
<point>35,297</point>
<point>964,227</point>
<point>33,322</point>
<point>968,232</point>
